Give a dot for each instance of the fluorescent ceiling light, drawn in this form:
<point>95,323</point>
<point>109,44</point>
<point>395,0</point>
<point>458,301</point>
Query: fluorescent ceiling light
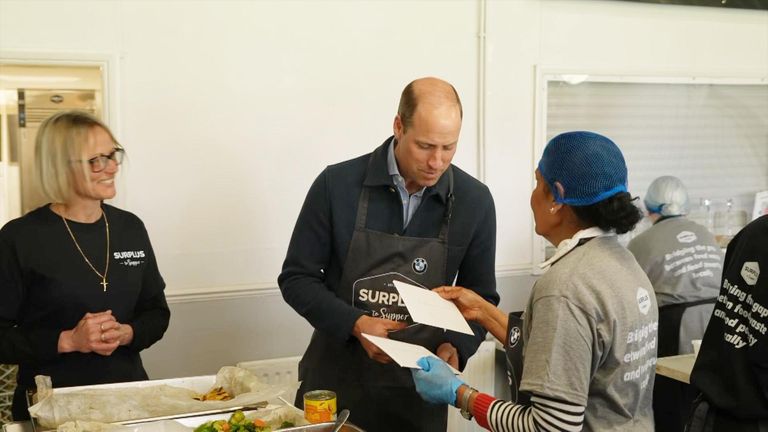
<point>8,97</point>
<point>25,78</point>
<point>574,79</point>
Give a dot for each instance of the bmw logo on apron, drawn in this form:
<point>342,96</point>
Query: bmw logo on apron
<point>419,265</point>
<point>514,336</point>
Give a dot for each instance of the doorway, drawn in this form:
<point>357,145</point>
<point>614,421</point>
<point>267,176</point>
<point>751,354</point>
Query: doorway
<point>30,93</point>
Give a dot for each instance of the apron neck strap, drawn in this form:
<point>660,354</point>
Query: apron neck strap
<point>448,207</point>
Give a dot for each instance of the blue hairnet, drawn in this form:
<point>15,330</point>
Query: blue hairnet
<point>589,166</point>
<point>667,196</point>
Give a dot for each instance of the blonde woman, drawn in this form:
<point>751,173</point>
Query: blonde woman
<point>82,294</point>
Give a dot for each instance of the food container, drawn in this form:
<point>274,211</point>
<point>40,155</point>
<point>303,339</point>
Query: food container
<point>319,427</point>
<point>320,406</point>
<point>149,401</point>
<point>199,384</point>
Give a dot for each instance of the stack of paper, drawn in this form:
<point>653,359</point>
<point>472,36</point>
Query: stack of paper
<point>426,307</point>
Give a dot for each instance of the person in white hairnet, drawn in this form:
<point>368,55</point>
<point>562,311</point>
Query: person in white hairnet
<point>684,263</point>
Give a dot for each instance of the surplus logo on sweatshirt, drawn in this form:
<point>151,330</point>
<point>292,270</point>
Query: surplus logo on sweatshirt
<point>686,237</point>
<point>643,300</point>
<point>750,271</point>
<point>130,258</point>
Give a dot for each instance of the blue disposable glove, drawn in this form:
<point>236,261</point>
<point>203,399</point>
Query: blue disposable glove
<point>436,382</point>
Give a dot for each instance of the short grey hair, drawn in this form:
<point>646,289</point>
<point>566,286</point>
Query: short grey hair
<point>409,101</point>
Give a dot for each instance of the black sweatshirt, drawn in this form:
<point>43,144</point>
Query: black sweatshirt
<point>46,287</point>
<point>732,367</point>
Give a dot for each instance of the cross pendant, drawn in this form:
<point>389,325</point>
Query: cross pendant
<point>104,284</point>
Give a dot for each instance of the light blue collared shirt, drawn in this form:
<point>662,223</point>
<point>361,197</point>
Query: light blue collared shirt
<point>410,202</point>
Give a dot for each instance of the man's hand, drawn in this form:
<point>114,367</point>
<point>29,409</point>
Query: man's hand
<point>376,327</point>
<point>448,354</point>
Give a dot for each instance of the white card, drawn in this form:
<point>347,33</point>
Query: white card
<point>427,307</point>
<point>403,353</point>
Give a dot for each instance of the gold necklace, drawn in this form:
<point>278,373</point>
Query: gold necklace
<point>106,267</point>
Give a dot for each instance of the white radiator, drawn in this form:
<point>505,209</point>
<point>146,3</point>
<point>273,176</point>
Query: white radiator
<point>479,373</point>
<point>283,370</point>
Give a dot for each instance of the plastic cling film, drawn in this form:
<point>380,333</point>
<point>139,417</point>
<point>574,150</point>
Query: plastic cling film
<point>320,406</point>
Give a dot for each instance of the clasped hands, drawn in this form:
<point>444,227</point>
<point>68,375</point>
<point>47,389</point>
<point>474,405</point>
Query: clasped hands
<point>98,332</point>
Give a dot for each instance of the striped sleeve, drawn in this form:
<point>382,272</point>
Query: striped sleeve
<point>544,414</point>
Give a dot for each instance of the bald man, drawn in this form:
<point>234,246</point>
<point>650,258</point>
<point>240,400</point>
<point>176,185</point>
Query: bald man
<point>402,212</point>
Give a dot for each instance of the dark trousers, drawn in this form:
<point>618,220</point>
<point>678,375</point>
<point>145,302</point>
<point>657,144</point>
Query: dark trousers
<point>707,418</point>
<point>672,401</point>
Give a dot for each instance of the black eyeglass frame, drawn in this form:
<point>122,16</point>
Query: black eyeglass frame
<point>102,160</point>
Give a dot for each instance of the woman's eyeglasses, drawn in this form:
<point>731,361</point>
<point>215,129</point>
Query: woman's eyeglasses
<point>99,163</point>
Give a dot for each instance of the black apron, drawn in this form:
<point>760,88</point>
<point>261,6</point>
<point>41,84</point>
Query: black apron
<point>513,350</point>
<point>381,396</point>
<point>672,399</point>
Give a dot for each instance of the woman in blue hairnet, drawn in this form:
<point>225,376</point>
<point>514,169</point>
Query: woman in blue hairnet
<point>589,328</point>
<point>684,263</point>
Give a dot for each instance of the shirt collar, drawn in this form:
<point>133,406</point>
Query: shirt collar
<point>379,172</point>
<point>394,171</point>
<point>570,244</point>
<point>391,161</point>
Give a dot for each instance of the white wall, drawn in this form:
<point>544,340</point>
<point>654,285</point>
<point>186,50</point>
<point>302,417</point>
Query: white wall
<point>614,37</point>
<point>230,109</point>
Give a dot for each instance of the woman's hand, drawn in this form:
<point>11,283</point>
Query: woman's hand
<point>475,308</point>
<point>435,381</point>
<point>89,334</point>
<point>470,304</point>
<point>117,332</point>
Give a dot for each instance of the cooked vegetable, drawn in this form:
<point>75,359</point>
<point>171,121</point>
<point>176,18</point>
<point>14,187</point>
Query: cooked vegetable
<point>238,423</point>
<point>216,393</point>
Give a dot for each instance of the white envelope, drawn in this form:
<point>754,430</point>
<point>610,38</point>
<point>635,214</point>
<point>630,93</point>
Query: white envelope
<point>427,307</point>
<point>403,353</point>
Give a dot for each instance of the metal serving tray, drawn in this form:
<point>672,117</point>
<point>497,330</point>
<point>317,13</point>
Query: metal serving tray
<point>320,427</point>
<point>199,384</point>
